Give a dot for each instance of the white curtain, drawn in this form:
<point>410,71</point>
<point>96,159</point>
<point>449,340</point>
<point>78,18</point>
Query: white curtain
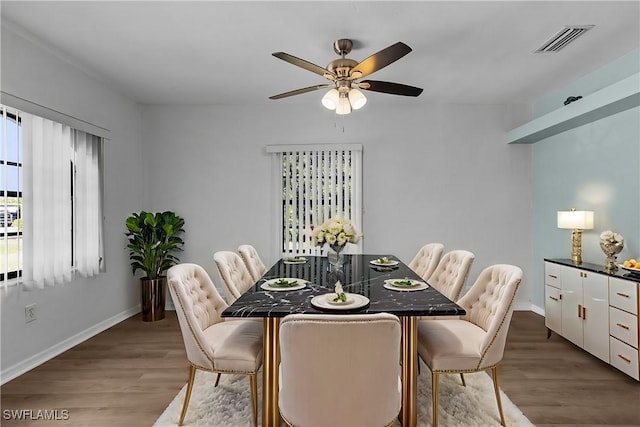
<point>47,152</point>
<point>88,224</point>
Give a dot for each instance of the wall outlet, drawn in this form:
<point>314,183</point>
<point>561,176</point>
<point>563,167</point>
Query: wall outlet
<point>30,313</point>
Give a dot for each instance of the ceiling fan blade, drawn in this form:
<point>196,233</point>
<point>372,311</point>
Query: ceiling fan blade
<point>299,91</point>
<point>381,59</point>
<point>388,87</point>
<point>304,64</point>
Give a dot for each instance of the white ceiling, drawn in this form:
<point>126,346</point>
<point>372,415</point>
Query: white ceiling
<point>210,52</point>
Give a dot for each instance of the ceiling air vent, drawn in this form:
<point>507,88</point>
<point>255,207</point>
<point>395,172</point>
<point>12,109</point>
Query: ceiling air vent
<point>563,38</point>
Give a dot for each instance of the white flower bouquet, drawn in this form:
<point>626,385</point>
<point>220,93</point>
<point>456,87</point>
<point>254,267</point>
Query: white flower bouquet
<point>334,231</point>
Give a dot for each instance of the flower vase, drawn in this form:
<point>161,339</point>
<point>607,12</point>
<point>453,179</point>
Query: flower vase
<point>336,257</point>
<point>611,249</point>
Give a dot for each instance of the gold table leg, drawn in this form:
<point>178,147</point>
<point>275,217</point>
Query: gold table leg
<point>270,379</point>
<point>409,414</point>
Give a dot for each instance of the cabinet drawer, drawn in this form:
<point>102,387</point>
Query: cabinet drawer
<point>553,309</point>
<point>552,275</point>
<point>623,294</point>
<point>624,357</point>
<point>623,326</point>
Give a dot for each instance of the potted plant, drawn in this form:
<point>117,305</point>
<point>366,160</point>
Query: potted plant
<point>153,237</point>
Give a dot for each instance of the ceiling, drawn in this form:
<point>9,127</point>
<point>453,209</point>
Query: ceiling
<point>211,52</point>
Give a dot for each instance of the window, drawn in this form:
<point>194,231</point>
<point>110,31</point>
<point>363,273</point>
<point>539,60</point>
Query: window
<point>10,195</point>
<point>315,183</point>
<point>53,184</point>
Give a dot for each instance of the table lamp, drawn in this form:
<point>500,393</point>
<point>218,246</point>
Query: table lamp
<point>576,221</point>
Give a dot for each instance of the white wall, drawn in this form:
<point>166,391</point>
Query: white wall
<point>592,167</point>
<point>67,314</point>
<point>431,173</point>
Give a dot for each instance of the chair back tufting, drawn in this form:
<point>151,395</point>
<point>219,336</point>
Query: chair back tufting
<point>427,259</point>
<point>234,274</point>
<point>252,261</point>
<point>451,273</point>
<point>198,306</point>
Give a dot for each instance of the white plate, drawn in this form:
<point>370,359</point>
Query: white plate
<point>635,270</point>
<point>269,284</point>
<point>418,285</point>
<point>331,297</point>
<point>389,263</point>
<point>295,260</point>
<point>353,301</point>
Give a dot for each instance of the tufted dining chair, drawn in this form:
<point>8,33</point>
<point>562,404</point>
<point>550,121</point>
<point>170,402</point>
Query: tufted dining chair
<point>451,273</point>
<point>474,342</point>
<point>426,260</point>
<point>252,260</point>
<point>234,274</point>
<point>213,344</point>
<point>328,376</point>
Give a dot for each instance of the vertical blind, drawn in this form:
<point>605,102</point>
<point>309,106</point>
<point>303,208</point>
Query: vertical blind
<point>60,202</point>
<point>88,204</point>
<point>47,148</point>
<point>317,183</point>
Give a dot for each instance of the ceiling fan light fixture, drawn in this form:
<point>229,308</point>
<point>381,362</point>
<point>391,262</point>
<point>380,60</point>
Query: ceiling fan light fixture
<point>344,107</point>
<point>330,99</point>
<point>357,99</point>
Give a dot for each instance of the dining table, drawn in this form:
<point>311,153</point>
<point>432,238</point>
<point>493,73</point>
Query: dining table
<point>366,276</point>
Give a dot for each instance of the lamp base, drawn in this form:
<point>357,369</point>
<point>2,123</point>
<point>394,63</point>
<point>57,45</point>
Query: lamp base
<point>576,246</point>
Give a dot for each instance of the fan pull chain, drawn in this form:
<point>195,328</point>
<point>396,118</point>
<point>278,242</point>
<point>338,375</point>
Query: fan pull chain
<point>335,121</point>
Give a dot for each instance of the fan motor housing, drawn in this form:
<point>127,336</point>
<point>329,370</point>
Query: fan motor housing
<point>342,66</point>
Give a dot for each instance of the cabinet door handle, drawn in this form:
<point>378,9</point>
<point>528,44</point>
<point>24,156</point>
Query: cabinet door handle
<point>584,312</point>
<point>623,326</point>
<point>553,276</point>
<point>626,359</point>
<point>553,298</point>
<point>622,295</point>
<point>580,310</point>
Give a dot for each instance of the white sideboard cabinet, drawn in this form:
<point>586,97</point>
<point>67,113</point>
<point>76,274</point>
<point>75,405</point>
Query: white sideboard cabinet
<point>594,310</point>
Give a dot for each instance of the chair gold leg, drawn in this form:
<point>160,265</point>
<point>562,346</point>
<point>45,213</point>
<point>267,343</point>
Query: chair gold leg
<point>434,394</point>
<point>217,379</point>
<point>494,375</point>
<point>464,384</point>
<point>187,396</point>
<point>254,398</point>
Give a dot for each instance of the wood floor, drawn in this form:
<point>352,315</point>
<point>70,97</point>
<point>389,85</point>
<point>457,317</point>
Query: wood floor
<point>127,375</point>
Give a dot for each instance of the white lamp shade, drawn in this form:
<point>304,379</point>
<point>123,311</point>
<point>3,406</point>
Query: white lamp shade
<point>357,99</point>
<point>343,106</point>
<point>330,99</point>
<point>582,220</point>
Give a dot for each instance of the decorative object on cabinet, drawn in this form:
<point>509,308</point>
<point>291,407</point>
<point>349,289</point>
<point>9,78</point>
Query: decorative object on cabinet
<point>595,310</point>
<point>611,244</point>
<point>576,221</point>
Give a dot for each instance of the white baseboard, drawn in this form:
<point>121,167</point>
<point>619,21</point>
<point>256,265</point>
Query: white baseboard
<point>537,310</point>
<point>526,306</point>
<point>38,359</point>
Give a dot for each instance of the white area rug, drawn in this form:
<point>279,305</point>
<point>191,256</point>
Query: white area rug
<point>229,404</point>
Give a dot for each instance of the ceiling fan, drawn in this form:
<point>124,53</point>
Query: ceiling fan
<point>344,75</point>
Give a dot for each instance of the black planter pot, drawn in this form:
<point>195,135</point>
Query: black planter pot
<point>153,298</point>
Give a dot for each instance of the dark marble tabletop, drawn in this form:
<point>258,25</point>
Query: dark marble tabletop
<point>357,276</point>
